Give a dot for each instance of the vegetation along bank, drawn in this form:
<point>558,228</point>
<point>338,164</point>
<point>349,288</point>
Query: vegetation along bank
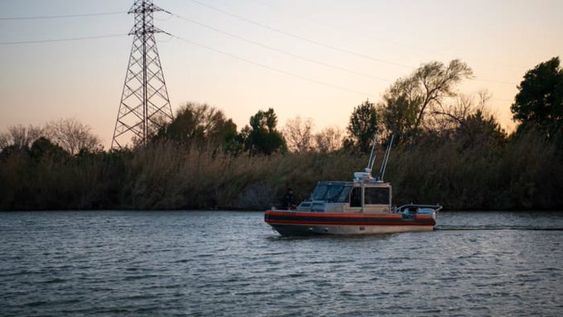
<point>449,149</point>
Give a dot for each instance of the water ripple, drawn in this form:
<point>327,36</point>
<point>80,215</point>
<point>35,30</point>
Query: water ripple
<point>232,264</point>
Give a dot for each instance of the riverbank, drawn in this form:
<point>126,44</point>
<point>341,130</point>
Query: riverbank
<point>524,173</point>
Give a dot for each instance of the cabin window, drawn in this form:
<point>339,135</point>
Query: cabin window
<point>344,196</point>
<point>320,192</point>
<point>331,192</point>
<point>356,197</point>
<point>377,196</point>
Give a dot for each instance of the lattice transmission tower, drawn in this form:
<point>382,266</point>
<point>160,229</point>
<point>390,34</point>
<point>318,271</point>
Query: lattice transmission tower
<point>145,104</point>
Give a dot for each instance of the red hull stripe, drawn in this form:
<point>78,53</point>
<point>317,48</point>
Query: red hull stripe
<point>305,218</point>
<point>298,222</point>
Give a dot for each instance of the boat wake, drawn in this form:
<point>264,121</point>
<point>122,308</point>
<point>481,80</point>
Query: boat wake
<point>496,228</point>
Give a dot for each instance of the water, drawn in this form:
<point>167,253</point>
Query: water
<point>232,264</point>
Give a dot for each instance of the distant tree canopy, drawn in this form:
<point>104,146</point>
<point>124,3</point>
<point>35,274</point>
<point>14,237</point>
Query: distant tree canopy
<point>329,140</point>
<point>362,128</point>
<point>44,147</point>
<point>453,151</point>
<point>298,135</point>
<point>72,136</point>
<point>19,137</point>
<point>200,125</point>
<point>262,137</point>
<point>68,135</point>
<point>479,130</point>
<point>407,102</point>
<point>539,102</point>
<point>206,127</point>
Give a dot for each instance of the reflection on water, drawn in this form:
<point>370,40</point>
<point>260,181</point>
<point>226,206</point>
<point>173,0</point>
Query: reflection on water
<point>232,264</point>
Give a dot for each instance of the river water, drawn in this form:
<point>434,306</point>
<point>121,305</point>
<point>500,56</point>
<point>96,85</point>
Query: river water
<point>233,264</point>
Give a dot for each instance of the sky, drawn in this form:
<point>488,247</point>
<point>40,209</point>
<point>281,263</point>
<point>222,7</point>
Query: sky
<point>315,59</point>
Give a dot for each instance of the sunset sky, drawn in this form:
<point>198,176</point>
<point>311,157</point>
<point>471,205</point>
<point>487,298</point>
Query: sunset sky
<point>385,40</point>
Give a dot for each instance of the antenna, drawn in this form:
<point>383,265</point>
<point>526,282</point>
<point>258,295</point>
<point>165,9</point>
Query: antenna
<point>385,159</point>
<point>145,104</point>
<point>366,174</point>
<point>372,155</point>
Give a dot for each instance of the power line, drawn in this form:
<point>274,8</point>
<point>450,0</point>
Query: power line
<point>309,60</point>
<point>302,38</point>
<point>247,20</point>
<point>318,82</point>
<point>495,81</point>
<point>95,37</point>
<point>318,43</point>
<point>48,17</point>
<point>503,99</point>
<point>228,34</point>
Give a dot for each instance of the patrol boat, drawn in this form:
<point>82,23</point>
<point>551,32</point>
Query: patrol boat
<point>361,206</point>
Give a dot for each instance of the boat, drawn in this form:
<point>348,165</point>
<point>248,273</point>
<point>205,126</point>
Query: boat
<point>361,206</point>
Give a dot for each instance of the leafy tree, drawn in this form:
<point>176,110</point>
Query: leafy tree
<point>407,102</point>
<point>478,129</point>
<point>200,125</point>
<point>400,109</point>
<point>362,127</point>
<point>263,137</point>
<point>539,102</point>
<point>43,147</point>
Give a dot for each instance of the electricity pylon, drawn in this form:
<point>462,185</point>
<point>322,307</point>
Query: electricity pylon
<point>145,105</point>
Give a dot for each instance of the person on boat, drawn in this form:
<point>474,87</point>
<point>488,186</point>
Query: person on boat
<point>288,200</point>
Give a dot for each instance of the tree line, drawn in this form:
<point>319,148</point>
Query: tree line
<point>448,149</point>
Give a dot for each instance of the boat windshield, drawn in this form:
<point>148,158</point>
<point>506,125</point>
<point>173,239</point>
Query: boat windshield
<point>331,192</point>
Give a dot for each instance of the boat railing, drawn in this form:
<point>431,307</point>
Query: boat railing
<point>417,207</point>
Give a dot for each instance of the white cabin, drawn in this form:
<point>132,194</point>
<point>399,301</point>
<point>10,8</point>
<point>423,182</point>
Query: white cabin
<point>363,195</point>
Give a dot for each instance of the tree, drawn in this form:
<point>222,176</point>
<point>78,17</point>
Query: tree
<point>298,134</point>
<point>328,140</point>
<point>466,120</point>
<point>408,100</point>
<point>539,102</point>
<point>263,137</point>
<point>72,136</point>
<point>480,129</point>
<point>451,116</point>
<point>20,137</point>
<point>362,128</point>
<point>44,147</point>
<point>200,125</point>
<point>400,108</point>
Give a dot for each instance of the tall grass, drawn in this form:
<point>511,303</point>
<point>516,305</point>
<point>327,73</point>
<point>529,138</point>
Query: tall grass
<point>524,173</point>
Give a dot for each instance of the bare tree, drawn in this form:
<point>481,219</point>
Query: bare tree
<point>408,101</point>
<point>4,141</point>
<point>72,136</point>
<point>329,140</point>
<point>448,116</point>
<point>298,134</point>
<point>438,81</point>
<point>20,136</point>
